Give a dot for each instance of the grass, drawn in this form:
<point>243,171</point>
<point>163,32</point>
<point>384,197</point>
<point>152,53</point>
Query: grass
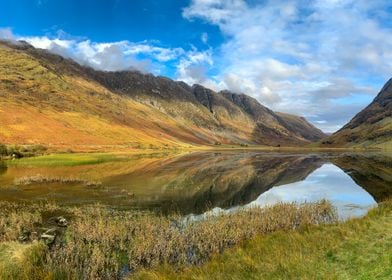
<point>21,261</point>
<point>357,249</point>
<point>68,159</point>
<point>79,159</point>
<point>101,243</point>
<point>40,179</point>
<point>282,242</point>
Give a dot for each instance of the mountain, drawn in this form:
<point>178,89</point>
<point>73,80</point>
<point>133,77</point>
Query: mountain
<point>302,126</point>
<point>372,127</point>
<point>47,99</point>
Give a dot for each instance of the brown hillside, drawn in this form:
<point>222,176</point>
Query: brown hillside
<point>50,100</point>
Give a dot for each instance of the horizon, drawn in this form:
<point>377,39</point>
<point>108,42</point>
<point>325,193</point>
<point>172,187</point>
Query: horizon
<point>325,61</point>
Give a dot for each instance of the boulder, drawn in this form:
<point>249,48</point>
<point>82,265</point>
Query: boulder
<point>61,221</point>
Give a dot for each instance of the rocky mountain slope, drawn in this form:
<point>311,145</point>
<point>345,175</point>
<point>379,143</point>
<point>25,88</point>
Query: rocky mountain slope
<point>372,127</point>
<point>47,99</point>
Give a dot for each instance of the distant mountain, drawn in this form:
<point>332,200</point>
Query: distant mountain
<point>302,127</point>
<point>47,99</point>
<point>372,127</point>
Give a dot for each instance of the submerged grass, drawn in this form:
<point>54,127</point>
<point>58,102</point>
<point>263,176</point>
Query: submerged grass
<point>107,244</point>
<point>356,249</point>
<point>40,179</point>
<point>77,159</point>
<point>67,159</point>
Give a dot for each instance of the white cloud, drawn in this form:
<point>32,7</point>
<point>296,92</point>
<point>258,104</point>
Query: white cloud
<point>115,56</point>
<point>192,68</point>
<point>111,56</point>
<point>302,56</point>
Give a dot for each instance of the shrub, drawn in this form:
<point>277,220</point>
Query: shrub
<point>3,150</point>
<point>25,151</point>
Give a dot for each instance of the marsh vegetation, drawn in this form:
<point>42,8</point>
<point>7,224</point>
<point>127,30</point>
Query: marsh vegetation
<point>356,249</point>
<point>40,179</point>
<point>100,243</point>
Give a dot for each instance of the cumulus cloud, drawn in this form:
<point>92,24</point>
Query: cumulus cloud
<point>193,67</point>
<point>302,56</point>
<point>113,56</point>
<point>116,56</point>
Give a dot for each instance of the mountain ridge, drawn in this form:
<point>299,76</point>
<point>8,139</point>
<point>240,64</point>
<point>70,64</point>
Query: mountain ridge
<point>150,109</point>
<point>371,127</point>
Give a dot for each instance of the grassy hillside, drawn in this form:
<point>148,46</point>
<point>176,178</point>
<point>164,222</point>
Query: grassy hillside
<point>39,106</point>
<point>46,99</point>
<point>302,126</point>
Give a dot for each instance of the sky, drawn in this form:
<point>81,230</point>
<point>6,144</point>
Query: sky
<point>322,59</point>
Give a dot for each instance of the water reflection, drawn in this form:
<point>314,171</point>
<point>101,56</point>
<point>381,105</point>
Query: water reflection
<point>198,182</point>
<point>3,167</point>
<point>328,182</point>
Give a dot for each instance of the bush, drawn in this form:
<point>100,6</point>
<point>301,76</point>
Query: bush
<point>24,151</point>
<point>3,150</point>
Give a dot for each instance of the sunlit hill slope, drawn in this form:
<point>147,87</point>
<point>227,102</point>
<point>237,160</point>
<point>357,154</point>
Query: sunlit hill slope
<point>46,99</point>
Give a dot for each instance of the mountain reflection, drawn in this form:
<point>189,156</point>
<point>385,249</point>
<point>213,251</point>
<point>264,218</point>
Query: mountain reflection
<point>328,182</point>
<point>197,182</point>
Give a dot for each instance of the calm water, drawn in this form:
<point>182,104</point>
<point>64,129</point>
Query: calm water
<point>200,183</point>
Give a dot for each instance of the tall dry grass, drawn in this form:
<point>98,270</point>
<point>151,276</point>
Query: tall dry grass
<point>41,179</point>
<point>101,243</point>
<point>17,218</point>
<point>359,248</point>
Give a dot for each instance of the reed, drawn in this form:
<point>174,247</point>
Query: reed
<point>40,179</point>
<point>101,243</point>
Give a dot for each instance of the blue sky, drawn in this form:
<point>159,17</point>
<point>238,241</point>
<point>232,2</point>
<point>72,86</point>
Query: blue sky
<point>323,59</point>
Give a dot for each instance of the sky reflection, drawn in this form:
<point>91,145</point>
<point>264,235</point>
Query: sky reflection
<point>328,182</point>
